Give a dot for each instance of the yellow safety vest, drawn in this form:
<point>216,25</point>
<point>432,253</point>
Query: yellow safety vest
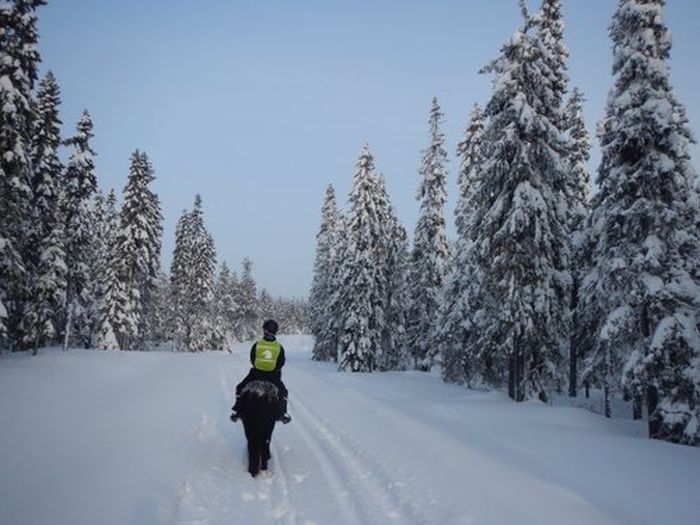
<point>266,354</point>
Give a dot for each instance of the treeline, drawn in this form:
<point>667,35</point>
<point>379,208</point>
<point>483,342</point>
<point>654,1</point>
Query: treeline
<point>75,268</point>
<point>546,287</point>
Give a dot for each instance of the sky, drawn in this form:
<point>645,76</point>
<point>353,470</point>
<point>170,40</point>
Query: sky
<point>259,105</point>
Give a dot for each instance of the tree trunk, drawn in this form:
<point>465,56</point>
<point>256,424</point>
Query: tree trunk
<point>573,355</point>
<point>520,376</point>
<point>637,405</point>
<point>654,420</point>
<point>511,376</point>
<point>69,320</point>
<point>573,372</point>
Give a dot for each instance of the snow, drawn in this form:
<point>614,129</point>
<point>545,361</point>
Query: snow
<point>144,438</point>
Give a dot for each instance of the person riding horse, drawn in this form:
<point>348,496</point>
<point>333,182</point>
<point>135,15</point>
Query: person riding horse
<point>267,358</point>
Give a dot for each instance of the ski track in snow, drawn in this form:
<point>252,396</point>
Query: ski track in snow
<point>343,461</point>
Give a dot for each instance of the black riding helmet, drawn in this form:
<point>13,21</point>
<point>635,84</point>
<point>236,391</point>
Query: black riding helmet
<point>270,327</point>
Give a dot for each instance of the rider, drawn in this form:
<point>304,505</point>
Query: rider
<point>267,358</point>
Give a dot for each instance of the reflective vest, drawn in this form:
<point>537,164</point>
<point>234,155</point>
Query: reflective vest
<point>266,354</point>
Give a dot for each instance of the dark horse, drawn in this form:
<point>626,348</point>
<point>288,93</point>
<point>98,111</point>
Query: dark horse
<point>259,410</point>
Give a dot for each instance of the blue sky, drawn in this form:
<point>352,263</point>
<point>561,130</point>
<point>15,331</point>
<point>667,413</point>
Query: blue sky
<point>258,104</point>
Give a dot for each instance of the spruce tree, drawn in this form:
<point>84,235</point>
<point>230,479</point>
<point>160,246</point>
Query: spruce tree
<point>110,303</point>
<point>363,273</point>
<point>47,167</point>
<point>521,244</point>
<point>430,250</point>
<point>640,304</point>
<point>578,188</point>
<point>179,277</point>
<point>47,255</point>
<point>458,313</point>
<point>395,354</point>
<point>321,288</point>
<point>247,297</point>
<point>337,292</point>
<point>139,243</point>
<point>227,309</point>
<point>192,281</point>
<point>80,185</point>
<point>19,59</point>
<point>49,291</point>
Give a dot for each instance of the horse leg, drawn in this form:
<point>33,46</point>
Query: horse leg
<point>253,457</point>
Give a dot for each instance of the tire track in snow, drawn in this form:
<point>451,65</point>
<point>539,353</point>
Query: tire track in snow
<point>377,491</point>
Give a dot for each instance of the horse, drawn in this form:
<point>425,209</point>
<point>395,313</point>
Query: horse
<point>259,409</point>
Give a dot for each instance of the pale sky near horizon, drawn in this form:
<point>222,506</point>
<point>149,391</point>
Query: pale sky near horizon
<point>259,105</point>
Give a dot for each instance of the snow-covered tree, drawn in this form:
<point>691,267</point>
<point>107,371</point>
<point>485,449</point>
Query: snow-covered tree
<point>640,299</point>
<point>138,248</point>
<point>395,355</point>
<point>46,257</point>
<point>430,250</point>
<point>80,185</point>
<point>247,298</point>
<point>458,313</point>
<point>226,310</point>
<point>48,291</point>
<point>110,304</point>
<point>321,288</point>
<point>521,244</point>
<point>47,167</point>
<point>578,188</point>
<point>363,273</point>
<point>335,315</point>
<point>553,53</point>
<point>192,281</point>
<point>19,59</point>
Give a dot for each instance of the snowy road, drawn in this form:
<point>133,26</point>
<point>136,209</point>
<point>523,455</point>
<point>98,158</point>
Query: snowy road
<point>145,439</point>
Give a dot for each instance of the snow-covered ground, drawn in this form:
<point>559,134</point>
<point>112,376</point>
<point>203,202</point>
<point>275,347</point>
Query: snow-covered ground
<point>90,437</point>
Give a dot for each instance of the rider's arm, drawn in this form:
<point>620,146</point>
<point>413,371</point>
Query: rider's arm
<point>280,359</point>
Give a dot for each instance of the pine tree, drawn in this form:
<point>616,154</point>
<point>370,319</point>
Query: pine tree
<point>430,250</point>
<point>521,244</point>
<point>139,243</point>
<point>640,304</point>
<point>18,72</point>
<point>458,313</point>
<point>76,207</point>
<point>363,274</point>
<point>321,289</point>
